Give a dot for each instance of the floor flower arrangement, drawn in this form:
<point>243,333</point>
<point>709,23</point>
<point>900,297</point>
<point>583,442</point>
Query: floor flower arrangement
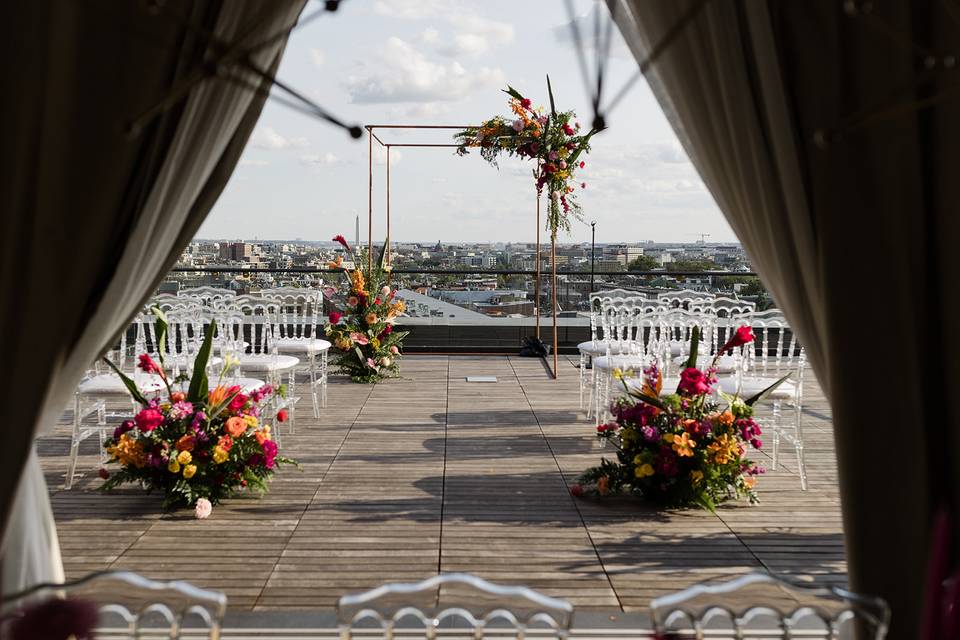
<point>362,330</point>
<point>552,139</point>
<point>681,448</point>
<point>197,446</point>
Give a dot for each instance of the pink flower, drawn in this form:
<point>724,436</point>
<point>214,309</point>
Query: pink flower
<point>329,292</point>
<point>371,363</point>
<point>563,164</point>
<point>181,410</point>
<point>742,336</point>
<point>582,164</point>
<point>394,350</point>
<point>335,317</point>
<point>149,366</point>
<point>203,509</point>
<point>518,125</point>
<point>269,453</point>
<point>342,241</point>
<point>567,129</point>
<point>553,155</point>
<point>125,426</point>
<point>576,490</point>
<point>148,420</point>
<point>353,301</point>
<point>236,405</point>
<point>694,382</point>
<point>385,290</point>
<point>359,338</point>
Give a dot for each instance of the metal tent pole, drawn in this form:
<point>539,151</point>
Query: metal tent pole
<point>370,204</point>
<point>553,296</point>
<point>536,284</point>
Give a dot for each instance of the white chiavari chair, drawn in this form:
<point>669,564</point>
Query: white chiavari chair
<point>774,353</point>
<point>300,316</point>
<point>126,605</point>
<point>453,605</point>
<point>758,606</point>
<point>632,328</point>
<point>206,294</point>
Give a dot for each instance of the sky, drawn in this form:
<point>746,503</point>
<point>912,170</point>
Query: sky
<point>445,62</point>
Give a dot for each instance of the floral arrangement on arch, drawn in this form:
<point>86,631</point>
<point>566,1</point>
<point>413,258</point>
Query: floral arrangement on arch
<point>681,448</point>
<point>362,332</point>
<point>197,446</point>
<point>553,140</point>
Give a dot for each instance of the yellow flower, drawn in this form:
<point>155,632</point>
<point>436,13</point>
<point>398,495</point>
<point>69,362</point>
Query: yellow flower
<point>128,451</point>
<point>173,467</point>
<point>375,343</point>
<point>219,455</point>
<point>343,344</point>
<point>628,435</point>
<point>184,457</point>
<point>696,476</point>
<point>251,421</point>
<point>618,374</point>
<point>189,471</point>
<point>724,449</point>
<point>371,318</point>
<point>643,470</point>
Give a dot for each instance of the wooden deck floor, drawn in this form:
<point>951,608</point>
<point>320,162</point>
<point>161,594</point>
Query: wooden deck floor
<point>430,473</point>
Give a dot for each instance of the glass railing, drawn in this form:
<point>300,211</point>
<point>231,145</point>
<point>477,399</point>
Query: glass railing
<point>486,310</point>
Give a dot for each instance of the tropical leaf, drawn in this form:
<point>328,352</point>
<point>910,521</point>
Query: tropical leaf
<point>763,394</point>
<point>160,331</point>
<point>694,346</point>
<point>199,385</point>
<point>640,395</point>
<point>129,384</point>
<point>513,93</point>
<point>553,106</point>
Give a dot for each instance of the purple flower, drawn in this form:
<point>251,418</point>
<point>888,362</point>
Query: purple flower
<point>198,418</point>
<point>56,618</point>
<point>650,434</point>
<point>269,453</point>
<point>125,426</point>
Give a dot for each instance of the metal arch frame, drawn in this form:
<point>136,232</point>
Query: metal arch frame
<point>371,132</point>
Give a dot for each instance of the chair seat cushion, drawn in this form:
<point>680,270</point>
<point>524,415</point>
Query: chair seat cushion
<point>608,363</point>
<point>725,364</point>
<point>302,345</point>
<point>599,347</point>
<point>267,362</point>
<point>111,384</point>
<point>752,386</point>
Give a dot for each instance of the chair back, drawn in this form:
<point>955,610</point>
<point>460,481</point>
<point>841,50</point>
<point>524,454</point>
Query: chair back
<point>299,310</point>
<point>128,606</point>
<point>206,295</point>
<point>775,350</point>
<point>684,298</point>
<point>453,602</point>
<point>759,605</point>
<point>171,303</point>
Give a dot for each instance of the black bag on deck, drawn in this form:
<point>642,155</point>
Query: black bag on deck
<point>533,348</point>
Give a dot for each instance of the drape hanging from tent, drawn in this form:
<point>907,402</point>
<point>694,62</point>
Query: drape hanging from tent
<point>95,217</point>
<point>847,227</point>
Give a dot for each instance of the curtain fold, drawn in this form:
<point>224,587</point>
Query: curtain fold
<point>848,214</point>
<point>95,213</point>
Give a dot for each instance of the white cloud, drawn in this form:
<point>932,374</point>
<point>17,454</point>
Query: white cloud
<point>420,111</point>
<point>411,9</point>
<point>380,156</point>
<point>429,36</point>
<point>269,138</point>
<point>252,162</point>
<point>404,74</point>
<point>327,159</point>
<point>317,57</point>
<point>473,34</point>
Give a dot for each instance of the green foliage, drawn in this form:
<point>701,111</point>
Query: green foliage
<point>691,265</point>
<point>643,263</point>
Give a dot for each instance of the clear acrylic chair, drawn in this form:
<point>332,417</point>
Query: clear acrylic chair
<point>774,353</point>
<point>684,298</point>
<point>300,315</point>
<point>206,294</point>
<point>673,339</point>
<point>453,605</point>
<point>129,606</point>
<point>632,328</point>
<point>759,606</point>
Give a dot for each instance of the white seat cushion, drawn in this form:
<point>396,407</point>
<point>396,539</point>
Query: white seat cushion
<point>301,345</point>
<point>608,363</point>
<point>725,364</point>
<point>752,386</point>
<point>599,347</point>
<point>267,362</point>
<point>111,384</point>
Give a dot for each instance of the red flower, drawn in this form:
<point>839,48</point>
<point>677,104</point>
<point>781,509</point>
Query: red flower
<point>103,473</point>
<point>282,415</point>
<point>238,402</point>
<point>148,420</point>
<point>526,103</point>
<point>387,330</point>
<point>583,185</point>
<point>582,164</point>
<point>335,317</point>
<point>376,300</point>
<point>149,366</point>
<point>549,167</point>
<point>576,490</point>
<point>343,241</point>
<point>603,428</point>
<point>742,336</point>
<point>567,129</point>
<point>693,382</point>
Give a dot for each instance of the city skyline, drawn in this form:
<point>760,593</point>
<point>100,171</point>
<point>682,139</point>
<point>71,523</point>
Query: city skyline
<point>425,61</point>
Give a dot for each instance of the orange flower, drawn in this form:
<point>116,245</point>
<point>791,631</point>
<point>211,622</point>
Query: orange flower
<point>603,485</point>
<point>371,318</point>
<point>186,443</point>
<point>261,436</point>
<point>235,426</point>
<point>128,451</point>
<point>682,444</point>
<point>217,395</point>
<point>336,264</point>
<point>178,396</point>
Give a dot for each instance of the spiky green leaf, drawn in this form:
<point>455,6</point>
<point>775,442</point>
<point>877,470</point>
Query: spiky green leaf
<point>763,394</point>
<point>199,385</point>
<point>160,327</point>
<point>694,347</point>
<point>553,106</point>
<point>128,383</point>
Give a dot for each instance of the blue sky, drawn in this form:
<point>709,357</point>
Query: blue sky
<point>444,62</point>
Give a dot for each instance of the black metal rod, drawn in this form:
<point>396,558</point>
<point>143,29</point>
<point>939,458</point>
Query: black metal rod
<point>593,243</point>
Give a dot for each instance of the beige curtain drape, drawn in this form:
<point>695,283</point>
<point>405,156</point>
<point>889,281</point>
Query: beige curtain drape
<point>847,212</point>
<point>94,216</point>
